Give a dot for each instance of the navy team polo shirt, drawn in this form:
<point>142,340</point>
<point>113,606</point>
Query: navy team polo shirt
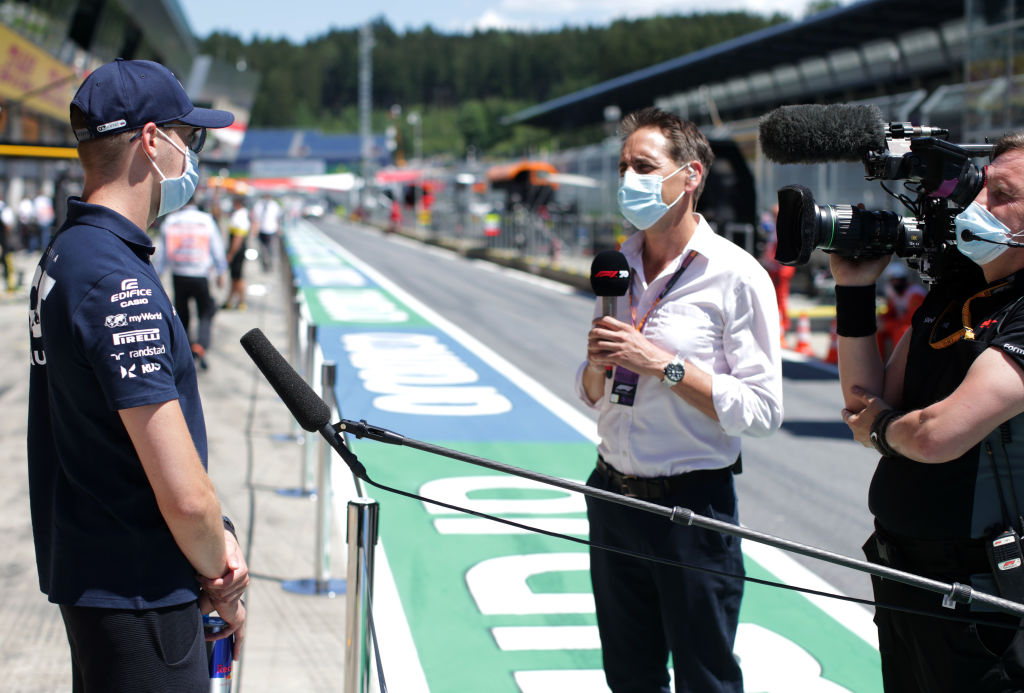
<point>104,337</point>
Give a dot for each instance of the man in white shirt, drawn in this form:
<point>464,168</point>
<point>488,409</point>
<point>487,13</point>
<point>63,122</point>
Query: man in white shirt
<point>266,219</point>
<point>192,247</point>
<point>694,348</point>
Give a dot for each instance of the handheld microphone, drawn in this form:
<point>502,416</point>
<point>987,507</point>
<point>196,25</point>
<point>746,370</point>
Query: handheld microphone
<point>816,133</point>
<point>609,278</point>
<point>308,408</point>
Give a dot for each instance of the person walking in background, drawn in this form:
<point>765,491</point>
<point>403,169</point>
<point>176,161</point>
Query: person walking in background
<point>129,536</point>
<point>7,226</point>
<point>266,216</point>
<point>781,275</point>
<point>238,232</point>
<point>28,230</point>
<point>694,348</point>
<point>192,247</point>
<point>902,298</point>
<point>43,207</point>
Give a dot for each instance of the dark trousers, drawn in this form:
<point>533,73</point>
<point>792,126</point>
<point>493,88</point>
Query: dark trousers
<point>128,651</point>
<point>929,654</point>
<point>646,610</point>
<point>268,250</point>
<point>187,289</point>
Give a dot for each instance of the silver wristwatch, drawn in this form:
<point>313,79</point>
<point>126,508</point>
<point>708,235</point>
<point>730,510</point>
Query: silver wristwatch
<point>673,372</point>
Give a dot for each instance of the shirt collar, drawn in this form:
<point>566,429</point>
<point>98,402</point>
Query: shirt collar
<point>701,241</point>
<point>86,214</point>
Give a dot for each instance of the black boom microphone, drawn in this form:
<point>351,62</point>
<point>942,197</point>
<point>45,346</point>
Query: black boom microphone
<point>817,134</point>
<point>308,408</point>
<point>609,278</point>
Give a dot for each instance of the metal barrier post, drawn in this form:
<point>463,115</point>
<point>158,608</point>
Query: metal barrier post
<point>321,583</point>
<point>294,323</point>
<point>363,516</point>
<point>309,440</point>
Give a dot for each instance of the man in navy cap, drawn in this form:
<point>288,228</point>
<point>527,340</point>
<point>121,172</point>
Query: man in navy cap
<point>130,539</point>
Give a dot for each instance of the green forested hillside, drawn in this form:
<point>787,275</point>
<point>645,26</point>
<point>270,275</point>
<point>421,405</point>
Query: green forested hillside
<point>461,84</point>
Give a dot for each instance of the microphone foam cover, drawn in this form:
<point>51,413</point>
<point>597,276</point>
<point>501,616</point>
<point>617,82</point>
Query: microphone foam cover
<point>609,274</point>
<point>816,133</point>
<point>306,406</point>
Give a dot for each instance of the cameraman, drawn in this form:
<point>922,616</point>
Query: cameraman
<point>945,414</point>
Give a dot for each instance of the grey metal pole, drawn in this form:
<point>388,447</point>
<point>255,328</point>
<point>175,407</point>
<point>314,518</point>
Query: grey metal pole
<point>294,325</point>
<point>308,441</point>
<point>324,491</point>
<point>309,453</point>
<point>294,351</point>
<point>321,582</point>
<point>363,517</point>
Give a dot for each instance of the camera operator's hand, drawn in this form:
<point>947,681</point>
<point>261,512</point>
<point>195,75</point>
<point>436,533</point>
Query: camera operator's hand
<point>849,272</point>
<point>860,421</point>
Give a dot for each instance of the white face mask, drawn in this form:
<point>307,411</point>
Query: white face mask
<point>176,192</point>
<point>991,234</point>
<point>640,197</point>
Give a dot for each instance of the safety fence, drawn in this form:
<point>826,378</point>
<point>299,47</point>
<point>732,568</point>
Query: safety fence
<point>307,270</point>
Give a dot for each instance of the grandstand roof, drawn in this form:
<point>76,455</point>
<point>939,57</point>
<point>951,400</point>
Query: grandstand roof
<point>848,27</point>
<point>308,144</point>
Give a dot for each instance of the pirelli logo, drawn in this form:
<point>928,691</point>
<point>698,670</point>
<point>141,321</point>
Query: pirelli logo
<point>137,336</point>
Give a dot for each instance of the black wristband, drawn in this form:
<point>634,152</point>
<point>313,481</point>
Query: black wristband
<point>878,429</point>
<point>229,526</point>
<point>855,311</point>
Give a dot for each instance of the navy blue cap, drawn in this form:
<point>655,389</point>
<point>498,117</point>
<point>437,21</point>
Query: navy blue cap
<point>126,94</point>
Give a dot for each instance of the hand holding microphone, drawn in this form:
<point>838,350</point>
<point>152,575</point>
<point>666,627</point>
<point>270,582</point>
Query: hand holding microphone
<point>609,278</point>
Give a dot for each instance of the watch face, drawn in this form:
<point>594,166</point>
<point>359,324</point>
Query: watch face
<point>674,372</point>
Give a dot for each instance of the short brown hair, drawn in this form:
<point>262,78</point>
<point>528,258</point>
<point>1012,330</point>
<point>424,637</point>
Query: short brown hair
<point>1008,142</point>
<point>104,156</point>
<point>686,142</point>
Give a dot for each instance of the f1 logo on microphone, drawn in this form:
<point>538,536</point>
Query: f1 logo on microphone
<point>611,274</point>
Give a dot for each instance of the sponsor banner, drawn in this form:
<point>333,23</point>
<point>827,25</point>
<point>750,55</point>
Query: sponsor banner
<point>26,70</point>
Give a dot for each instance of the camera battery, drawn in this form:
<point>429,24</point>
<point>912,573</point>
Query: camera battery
<point>1007,561</point>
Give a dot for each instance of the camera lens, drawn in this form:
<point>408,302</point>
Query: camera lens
<point>844,230</point>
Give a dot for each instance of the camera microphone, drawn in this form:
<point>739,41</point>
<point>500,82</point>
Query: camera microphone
<point>969,235</point>
<point>816,133</point>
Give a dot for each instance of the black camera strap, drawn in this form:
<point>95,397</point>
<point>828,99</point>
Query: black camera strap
<point>1006,556</point>
<point>1003,508</point>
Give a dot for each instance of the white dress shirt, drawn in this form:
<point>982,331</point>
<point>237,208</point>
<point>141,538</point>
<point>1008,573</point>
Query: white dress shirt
<point>722,317</point>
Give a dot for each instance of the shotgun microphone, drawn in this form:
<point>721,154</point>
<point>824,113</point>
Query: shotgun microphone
<point>308,408</point>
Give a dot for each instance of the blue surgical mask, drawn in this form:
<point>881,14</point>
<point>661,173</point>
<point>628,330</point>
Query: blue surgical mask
<point>176,192</point>
<point>983,224</point>
<point>640,197</point>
